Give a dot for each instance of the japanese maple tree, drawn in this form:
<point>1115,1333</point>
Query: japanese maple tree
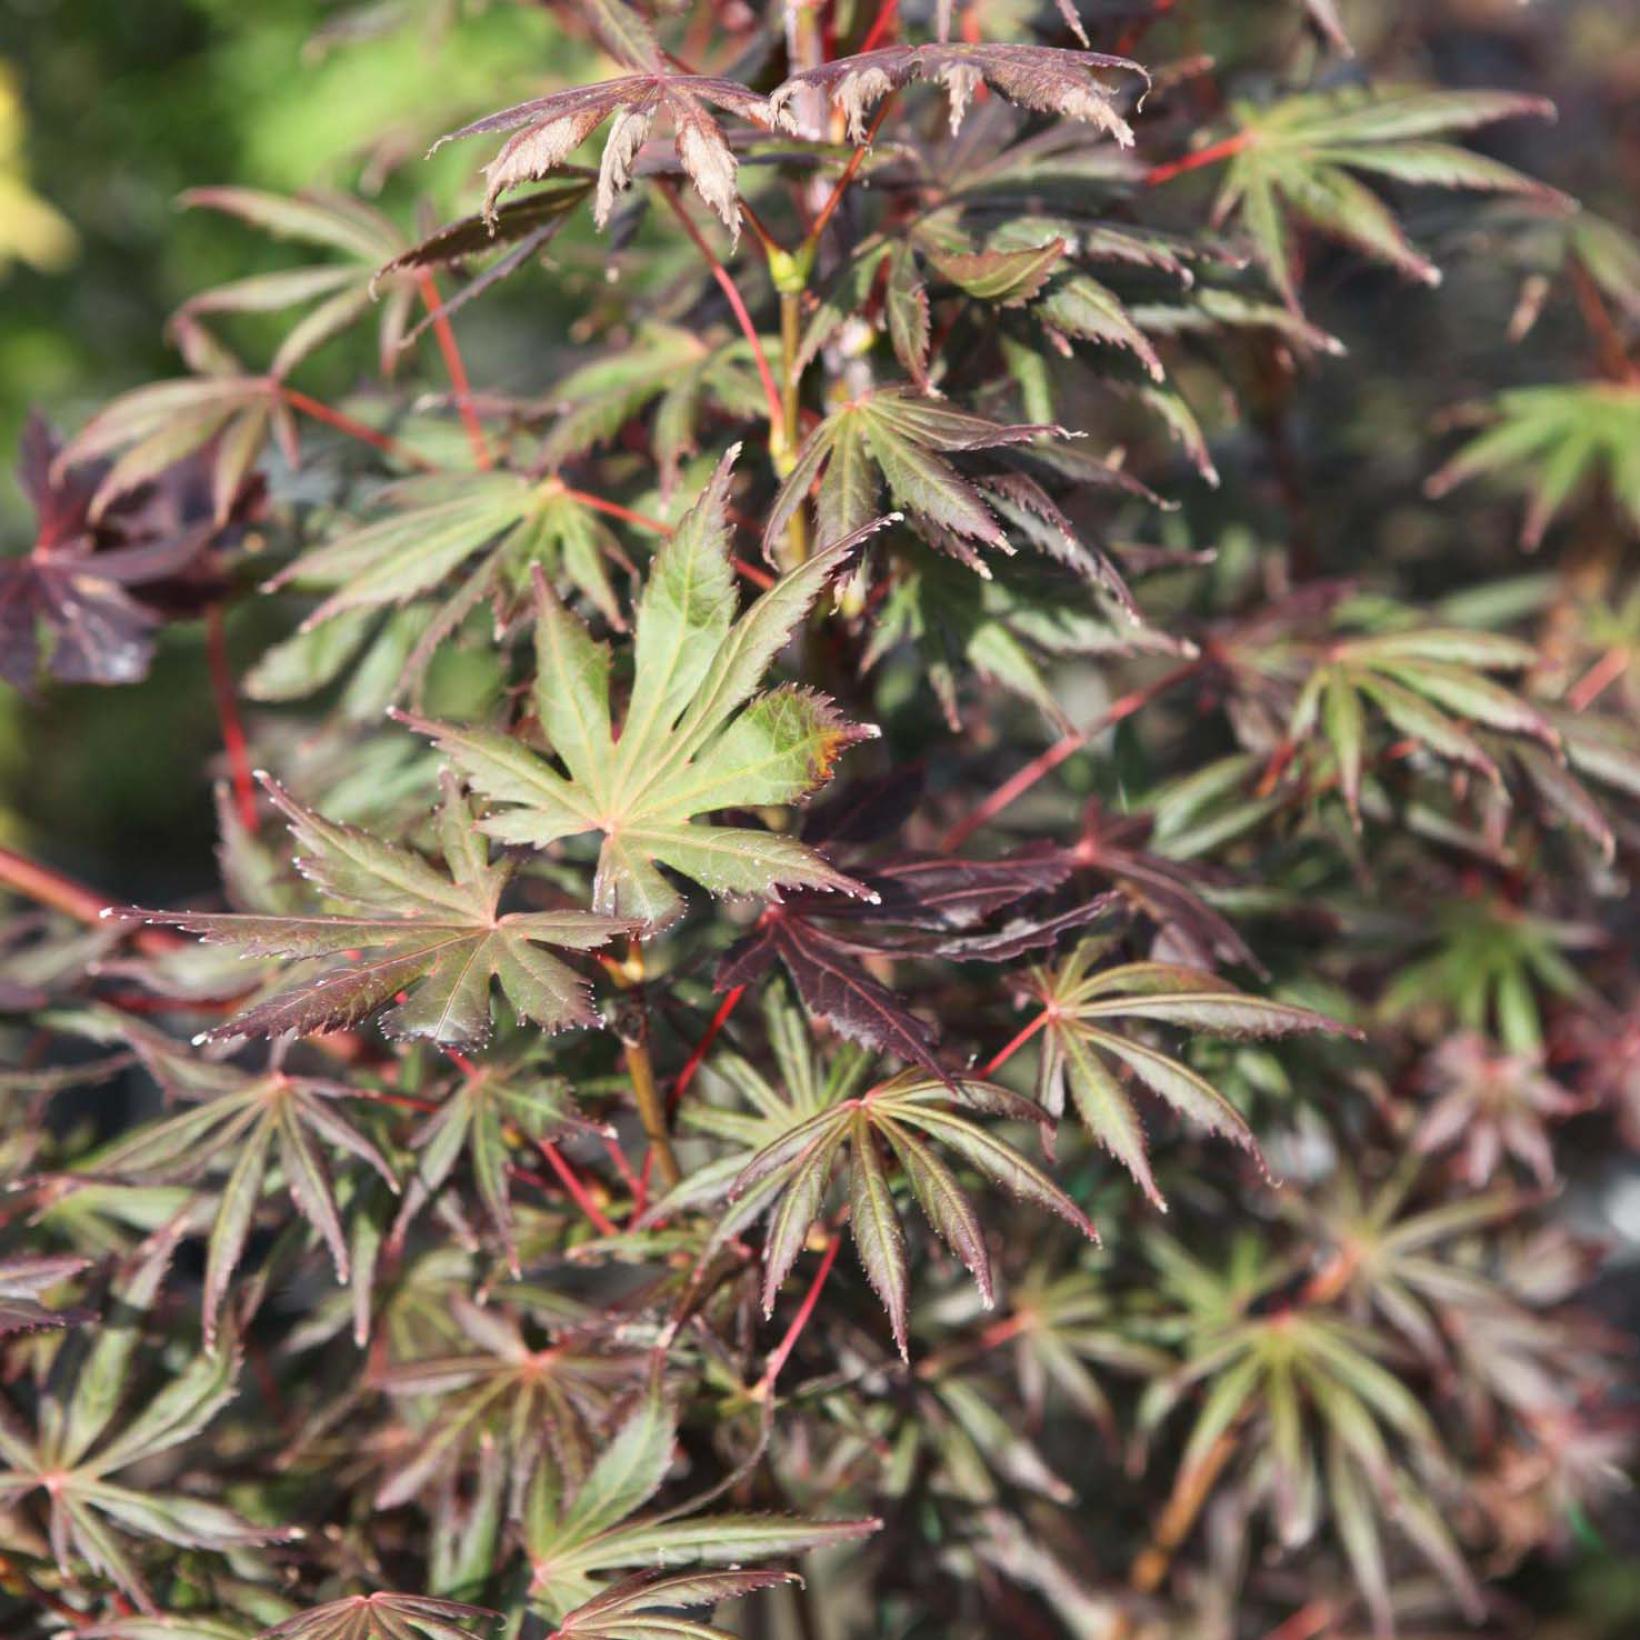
<point>782,830</point>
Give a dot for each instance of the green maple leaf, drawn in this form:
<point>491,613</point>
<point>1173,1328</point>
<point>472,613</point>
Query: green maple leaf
<point>1551,442</point>
<point>905,1117</point>
<point>441,938</point>
<point>1321,1420</point>
<point>697,736</point>
<point>645,1607</point>
<point>77,1451</point>
<point>483,529</point>
<point>538,1405</point>
<point>1295,159</point>
<point>253,1127</point>
<point>571,1538</point>
<point>337,294</point>
<point>896,438</point>
<point>1083,1051</point>
<point>1430,685</point>
<point>383,1616</point>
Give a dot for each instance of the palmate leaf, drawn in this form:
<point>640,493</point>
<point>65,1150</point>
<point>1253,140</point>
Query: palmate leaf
<point>247,1126</point>
<point>682,374</point>
<point>549,129</point>
<point>1430,685</point>
<point>1065,83</point>
<point>74,601</point>
<point>1327,1430</point>
<point>78,1449</point>
<point>511,1095</point>
<point>573,1537</point>
<point>482,531</point>
<point>539,1406</point>
<point>1066,1330</point>
<point>526,225</point>
<point>918,905</point>
<point>1552,442</point>
<point>383,1617</point>
<point>1296,157</point>
<point>697,737</point>
<point>438,936</point>
<point>1029,263</point>
<point>1005,629</point>
<point>909,1118</point>
<point>896,438</point>
<point>222,408</point>
<point>336,293</point>
<point>643,1607</point>
<point>1088,1055</point>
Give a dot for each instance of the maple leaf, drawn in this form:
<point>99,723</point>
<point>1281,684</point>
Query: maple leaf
<point>79,583</point>
<point>1037,77</point>
<point>1428,683</point>
<point>550,129</point>
<point>920,905</point>
<point>337,294</point>
<point>509,1096</point>
<point>1489,1105</point>
<point>1063,1326</point>
<point>1314,1407</point>
<point>23,1282</point>
<point>1005,628</point>
<point>637,1608</point>
<point>222,406</point>
<point>573,1536</point>
<point>1084,1053</point>
<point>383,1616</point>
<point>1296,157</point>
<point>77,1451</point>
<point>409,927</point>
<point>245,1124</point>
<point>486,528</point>
<point>1169,892</point>
<point>682,373</point>
<point>697,737</point>
<point>895,437</point>
<point>541,1405</point>
<point>908,1115</point>
<point>1552,441</point>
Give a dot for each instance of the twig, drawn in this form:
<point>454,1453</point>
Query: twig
<point>579,1194</point>
<point>62,893</point>
<point>427,282</point>
<point>781,1352</point>
<point>1015,787</point>
<point>1211,155</point>
<point>697,1055</point>
<point>225,692</point>
<point>1004,1054</point>
<point>344,423</point>
<point>614,509</point>
<point>640,1068</point>
<point>849,172</point>
<point>737,304</point>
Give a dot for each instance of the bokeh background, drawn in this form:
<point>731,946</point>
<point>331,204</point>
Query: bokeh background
<point>109,108</point>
